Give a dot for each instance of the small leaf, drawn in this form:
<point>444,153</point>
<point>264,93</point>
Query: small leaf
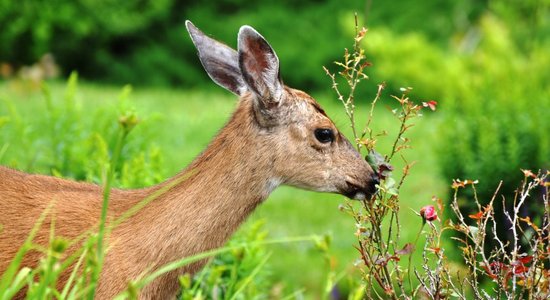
<point>528,221</point>
<point>435,250</point>
<point>379,164</point>
<point>439,202</point>
<point>375,159</point>
<point>384,170</point>
<point>525,259</point>
<point>477,216</point>
<point>520,269</point>
<point>361,34</point>
<point>528,173</point>
<point>457,184</point>
<point>389,183</point>
<point>392,191</point>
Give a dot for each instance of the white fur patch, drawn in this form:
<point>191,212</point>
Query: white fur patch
<point>272,184</point>
<point>302,106</point>
<point>271,79</point>
<point>360,196</point>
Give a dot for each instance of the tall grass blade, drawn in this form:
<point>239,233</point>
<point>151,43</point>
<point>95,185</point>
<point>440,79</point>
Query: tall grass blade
<point>11,271</point>
<point>101,235</point>
<point>17,284</point>
<point>67,287</point>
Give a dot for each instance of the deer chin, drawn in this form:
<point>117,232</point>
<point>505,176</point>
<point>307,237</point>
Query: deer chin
<point>356,195</point>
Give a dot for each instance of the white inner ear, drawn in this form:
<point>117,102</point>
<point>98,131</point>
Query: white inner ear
<point>271,78</point>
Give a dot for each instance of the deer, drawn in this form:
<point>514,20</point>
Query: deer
<point>276,136</point>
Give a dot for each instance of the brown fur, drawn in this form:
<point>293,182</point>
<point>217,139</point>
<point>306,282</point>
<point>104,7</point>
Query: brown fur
<point>211,197</point>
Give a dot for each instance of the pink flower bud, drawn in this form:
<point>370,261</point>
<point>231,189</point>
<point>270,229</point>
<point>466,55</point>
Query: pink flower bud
<point>428,213</point>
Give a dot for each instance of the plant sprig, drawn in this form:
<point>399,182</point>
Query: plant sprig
<point>516,269</point>
<point>378,241</point>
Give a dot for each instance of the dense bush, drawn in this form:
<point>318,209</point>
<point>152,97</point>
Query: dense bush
<point>493,91</point>
<point>498,120</point>
<point>491,81</point>
<point>78,33</point>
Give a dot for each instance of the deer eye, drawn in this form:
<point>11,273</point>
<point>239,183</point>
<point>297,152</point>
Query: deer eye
<point>324,135</point>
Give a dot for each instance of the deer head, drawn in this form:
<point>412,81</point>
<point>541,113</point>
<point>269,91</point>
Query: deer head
<point>305,148</point>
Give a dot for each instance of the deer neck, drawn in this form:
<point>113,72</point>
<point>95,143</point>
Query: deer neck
<point>204,204</point>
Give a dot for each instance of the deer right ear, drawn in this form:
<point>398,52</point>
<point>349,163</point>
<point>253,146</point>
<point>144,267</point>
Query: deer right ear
<point>219,60</point>
<point>259,66</point>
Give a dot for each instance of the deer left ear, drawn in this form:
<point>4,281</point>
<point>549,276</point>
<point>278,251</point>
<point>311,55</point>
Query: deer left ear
<point>259,66</point>
<point>220,61</point>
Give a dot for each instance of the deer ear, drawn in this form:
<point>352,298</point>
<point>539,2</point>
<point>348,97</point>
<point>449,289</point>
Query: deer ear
<point>259,66</point>
<point>220,61</point>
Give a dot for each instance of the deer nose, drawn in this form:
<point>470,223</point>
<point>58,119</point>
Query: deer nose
<point>375,180</point>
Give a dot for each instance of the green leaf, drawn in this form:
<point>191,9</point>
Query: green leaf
<point>389,183</point>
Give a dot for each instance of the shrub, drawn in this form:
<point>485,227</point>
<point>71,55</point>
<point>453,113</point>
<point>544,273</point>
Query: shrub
<point>491,83</point>
<point>495,267</point>
<point>498,123</point>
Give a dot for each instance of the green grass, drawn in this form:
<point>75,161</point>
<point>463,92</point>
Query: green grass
<point>182,122</point>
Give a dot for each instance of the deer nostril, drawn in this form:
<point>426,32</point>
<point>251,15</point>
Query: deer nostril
<point>375,179</point>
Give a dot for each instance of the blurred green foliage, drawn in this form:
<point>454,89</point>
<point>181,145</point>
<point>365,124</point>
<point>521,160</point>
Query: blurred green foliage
<point>65,140</point>
<point>145,42</point>
<point>499,118</point>
<point>491,80</point>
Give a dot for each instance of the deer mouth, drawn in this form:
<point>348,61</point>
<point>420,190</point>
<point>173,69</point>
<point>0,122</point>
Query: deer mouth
<point>357,192</point>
